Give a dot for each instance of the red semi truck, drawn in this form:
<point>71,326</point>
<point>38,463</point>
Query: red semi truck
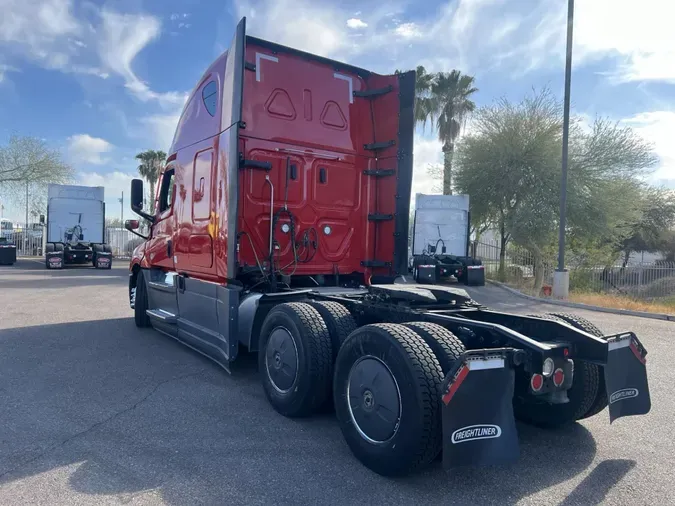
<point>281,229</point>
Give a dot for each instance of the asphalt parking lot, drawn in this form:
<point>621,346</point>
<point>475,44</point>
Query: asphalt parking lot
<point>96,411</point>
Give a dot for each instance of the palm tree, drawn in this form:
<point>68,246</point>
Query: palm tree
<point>424,103</point>
<point>450,107</point>
<point>423,99</point>
<point>443,99</point>
<point>151,163</point>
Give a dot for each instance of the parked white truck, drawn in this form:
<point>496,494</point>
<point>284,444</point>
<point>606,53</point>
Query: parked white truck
<point>441,238</point>
<point>75,227</point>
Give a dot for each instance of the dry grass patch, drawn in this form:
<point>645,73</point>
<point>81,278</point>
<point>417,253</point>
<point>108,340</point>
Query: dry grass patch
<point>619,302</point>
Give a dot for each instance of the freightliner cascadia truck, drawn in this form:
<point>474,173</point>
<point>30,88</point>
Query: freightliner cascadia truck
<point>281,229</point>
<point>75,228</point>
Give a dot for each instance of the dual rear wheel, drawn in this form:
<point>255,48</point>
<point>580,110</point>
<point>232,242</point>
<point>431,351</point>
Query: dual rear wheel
<point>384,380</point>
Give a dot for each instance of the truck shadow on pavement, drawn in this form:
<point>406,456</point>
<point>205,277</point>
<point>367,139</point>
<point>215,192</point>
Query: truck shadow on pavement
<point>102,408</point>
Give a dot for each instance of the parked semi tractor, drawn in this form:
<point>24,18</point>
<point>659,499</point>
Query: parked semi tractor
<point>281,229</point>
<point>75,227</point>
<point>441,241</point>
<point>7,251</point>
<point>7,245</point>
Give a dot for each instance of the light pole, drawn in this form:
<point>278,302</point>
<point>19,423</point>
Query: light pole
<point>561,276</point>
<point>121,201</point>
<point>26,225</point>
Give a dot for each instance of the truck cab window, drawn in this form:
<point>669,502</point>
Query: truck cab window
<point>210,97</point>
<point>166,191</point>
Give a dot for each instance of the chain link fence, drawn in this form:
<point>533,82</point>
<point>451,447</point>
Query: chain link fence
<point>29,242</point>
<point>521,268</point>
<point>122,242</point>
<point>653,281</point>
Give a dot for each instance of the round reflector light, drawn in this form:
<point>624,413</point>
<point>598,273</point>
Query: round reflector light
<point>547,368</point>
<point>536,382</point>
<point>558,377</point>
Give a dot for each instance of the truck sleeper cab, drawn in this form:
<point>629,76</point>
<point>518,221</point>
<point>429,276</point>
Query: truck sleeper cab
<point>75,227</point>
<point>281,229</point>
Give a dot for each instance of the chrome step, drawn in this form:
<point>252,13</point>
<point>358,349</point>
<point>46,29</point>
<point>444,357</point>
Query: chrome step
<point>162,315</point>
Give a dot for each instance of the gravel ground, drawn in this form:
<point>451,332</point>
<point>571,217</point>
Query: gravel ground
<point>96,411</point>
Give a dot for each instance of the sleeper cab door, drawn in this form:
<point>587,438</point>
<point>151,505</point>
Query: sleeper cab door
<point>161,278</point>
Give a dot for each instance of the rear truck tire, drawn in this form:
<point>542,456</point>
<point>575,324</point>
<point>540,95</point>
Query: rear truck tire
<point>95,248</point>
<point>60,248</point>
<point>339,321</point>
<point>108,249</point>
<point>49,248</point>
<point>387,391</point>
<point>446,346</point>
<point>340,324</point>
<point>295,359</point>
<point>600,402</point>
<point>582,395</point>
<point>141,303</point>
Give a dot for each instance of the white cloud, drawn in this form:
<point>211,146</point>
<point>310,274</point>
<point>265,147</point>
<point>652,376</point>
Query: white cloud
<point>85,149</point>
<point>86,41</point>
<point>356,23</point>
<point>427,152</point>
<point>39,29</point>
<point>453,35</point>
<point>657,127</point>
<point>4,69</point>
<point>640,36</point>
<point>408,31</point>
<point>302,24</point>
<point>636,40</point>
<point>176,16</point>
<point>49,19</point>
<point>159,129</point>
<point>122,37</point>
<point>114,183</point>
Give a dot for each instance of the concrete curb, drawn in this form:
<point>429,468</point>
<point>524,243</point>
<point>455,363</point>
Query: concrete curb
<point>578,305</point>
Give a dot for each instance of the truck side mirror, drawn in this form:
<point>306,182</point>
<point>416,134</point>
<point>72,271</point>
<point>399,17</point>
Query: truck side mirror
<point>137,195</point>
<point>131,224</point>
<point>42,219</point>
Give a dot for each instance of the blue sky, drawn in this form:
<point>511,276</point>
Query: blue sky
<point>105,80</point>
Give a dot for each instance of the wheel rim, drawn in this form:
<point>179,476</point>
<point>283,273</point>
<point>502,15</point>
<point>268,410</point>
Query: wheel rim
<point>374,400</point>
<point>281,359</point>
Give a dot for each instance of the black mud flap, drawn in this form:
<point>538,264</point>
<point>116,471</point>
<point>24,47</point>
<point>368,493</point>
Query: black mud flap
<point>626,377</point>
<point>478,423</point>
<point>55,259</point>
<point>103,260</point>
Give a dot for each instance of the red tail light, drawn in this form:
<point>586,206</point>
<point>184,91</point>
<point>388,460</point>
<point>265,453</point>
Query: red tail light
<point>537,382</point>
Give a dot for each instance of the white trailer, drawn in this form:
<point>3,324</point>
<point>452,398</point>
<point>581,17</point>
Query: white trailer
<point>75,228</point>
<point>441,235</point>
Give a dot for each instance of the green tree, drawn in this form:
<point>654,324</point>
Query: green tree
<point>510,165</point>
<point>29,163</point>
<point>652,229</point>
<point>149,168</point>
<point>113,223</point>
